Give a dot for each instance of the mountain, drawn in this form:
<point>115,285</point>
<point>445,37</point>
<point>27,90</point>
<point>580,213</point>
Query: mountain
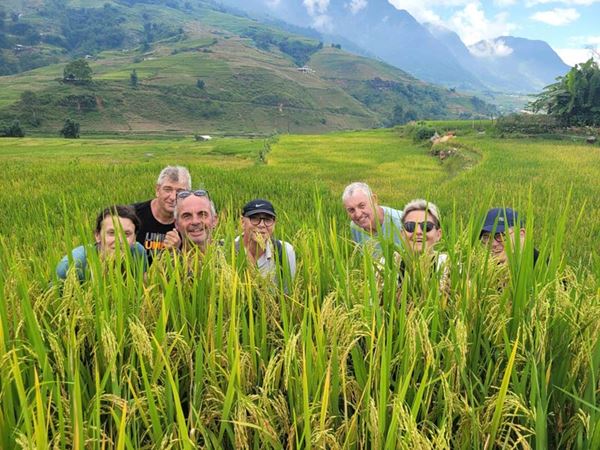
<point>429,52</point>
<point>185,67</point>
<point>381,30</point>
<point>524,65</point>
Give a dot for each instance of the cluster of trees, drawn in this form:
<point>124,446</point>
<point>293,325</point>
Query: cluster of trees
<point>299,51</point>
<point>13,130</point>
<point>70,130</point>
<point>575,98</point>
<point>156,31</point>
<point>16,41</point>
<point>88,30</point>
<point>77,71</point>
<point>402,115</point>
<point>79,31</point>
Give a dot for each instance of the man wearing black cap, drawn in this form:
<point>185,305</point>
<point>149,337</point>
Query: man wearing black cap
<point>262,250</point>
<point>505,225</point>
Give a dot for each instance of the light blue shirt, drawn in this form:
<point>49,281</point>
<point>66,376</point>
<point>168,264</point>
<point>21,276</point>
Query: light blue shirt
<point>391,229</point>
<point>79,255</point>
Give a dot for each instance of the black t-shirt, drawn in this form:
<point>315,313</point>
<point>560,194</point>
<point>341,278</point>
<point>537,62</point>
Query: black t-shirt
<point>152,233</point>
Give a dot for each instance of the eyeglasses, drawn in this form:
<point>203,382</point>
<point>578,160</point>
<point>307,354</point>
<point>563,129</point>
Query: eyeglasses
<point>198,193</point>
<point>268,221</point>
<point>425,226</point>
<point>498,237</point>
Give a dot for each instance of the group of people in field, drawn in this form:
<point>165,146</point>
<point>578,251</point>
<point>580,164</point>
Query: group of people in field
<point>181,220</point>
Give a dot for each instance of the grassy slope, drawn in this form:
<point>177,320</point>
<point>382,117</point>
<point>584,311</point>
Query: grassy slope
<point>247,90</point>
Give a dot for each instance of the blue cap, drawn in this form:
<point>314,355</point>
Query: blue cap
<point>500,219</point>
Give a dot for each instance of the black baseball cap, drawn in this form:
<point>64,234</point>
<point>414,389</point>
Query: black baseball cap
<point>500,219</point>
<point>258,206</point>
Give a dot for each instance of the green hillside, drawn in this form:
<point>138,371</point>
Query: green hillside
<point>199,69</point>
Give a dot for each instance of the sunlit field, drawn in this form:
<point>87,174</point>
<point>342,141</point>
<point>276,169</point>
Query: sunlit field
<point>210,356</point>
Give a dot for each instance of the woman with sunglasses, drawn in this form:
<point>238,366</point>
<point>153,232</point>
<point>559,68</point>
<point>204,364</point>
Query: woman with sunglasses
<point>421,232</point>
<point>421,225</point>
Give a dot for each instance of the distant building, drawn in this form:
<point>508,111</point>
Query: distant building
<point>305,69</point>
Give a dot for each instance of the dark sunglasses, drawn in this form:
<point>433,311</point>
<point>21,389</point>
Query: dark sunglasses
<point>197,193</point>
<point>425,226</point>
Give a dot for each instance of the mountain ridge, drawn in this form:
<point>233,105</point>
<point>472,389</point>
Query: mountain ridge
<point>433,57</point>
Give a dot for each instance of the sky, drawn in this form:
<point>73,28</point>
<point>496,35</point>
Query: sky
<point>569,26</point>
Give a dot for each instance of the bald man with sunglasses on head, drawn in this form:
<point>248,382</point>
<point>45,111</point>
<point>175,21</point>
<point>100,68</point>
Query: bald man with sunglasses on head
<point>195,219</point>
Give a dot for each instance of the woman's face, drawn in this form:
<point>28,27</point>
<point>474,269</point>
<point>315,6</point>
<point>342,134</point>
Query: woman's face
<point>420,230</point>
<point>110,232</point>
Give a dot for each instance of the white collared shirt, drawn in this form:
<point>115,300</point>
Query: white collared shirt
<point>266,263</point>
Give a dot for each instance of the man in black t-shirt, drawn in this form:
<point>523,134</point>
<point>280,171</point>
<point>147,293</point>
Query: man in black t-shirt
<point>158,222</point>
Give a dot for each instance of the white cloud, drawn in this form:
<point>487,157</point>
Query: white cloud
<point>316,7</point>
<point>557,16</point>
<point>472,25</point>
<point>323,23</point>
<point>357,5</point>
<point>503,3</point>
<point>318,11</point>
<point>572,56</point>
<point>582,41</point>
<point>530,3</point>
<point>491,48</point>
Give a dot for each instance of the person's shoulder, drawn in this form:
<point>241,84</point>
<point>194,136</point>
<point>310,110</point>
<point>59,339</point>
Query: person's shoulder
<point>138,249</point>
<point>394,214</point>
<point>392,217</point>
<point>139,206</point>
<point>288,246</point>
<point>80,252</point>
<point>442,258</point>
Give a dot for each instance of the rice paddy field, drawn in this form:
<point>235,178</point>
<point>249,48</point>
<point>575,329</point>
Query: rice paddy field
<point>207,355</point>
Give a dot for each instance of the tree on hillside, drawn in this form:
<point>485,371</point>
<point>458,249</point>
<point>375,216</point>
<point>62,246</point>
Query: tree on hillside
<point>400,116</point>
<point>14,130</point>
<point>133,79</point>
<point>575,98</point>
<point>70,129</point>
<point>29,101</point>
<point>78,71</point>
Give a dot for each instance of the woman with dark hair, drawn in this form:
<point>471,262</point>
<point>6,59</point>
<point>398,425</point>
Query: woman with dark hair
<point>115,228</point>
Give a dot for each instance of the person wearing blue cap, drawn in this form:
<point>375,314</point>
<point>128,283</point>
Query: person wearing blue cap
<point>502,225</point>
<point>262,249</point>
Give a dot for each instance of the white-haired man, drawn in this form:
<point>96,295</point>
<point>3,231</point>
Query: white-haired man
<point>157,215</point>
<point>369,220</point>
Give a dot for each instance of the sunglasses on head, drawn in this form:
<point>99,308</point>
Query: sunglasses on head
<point>425,226</point>
<point>197,193</point>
